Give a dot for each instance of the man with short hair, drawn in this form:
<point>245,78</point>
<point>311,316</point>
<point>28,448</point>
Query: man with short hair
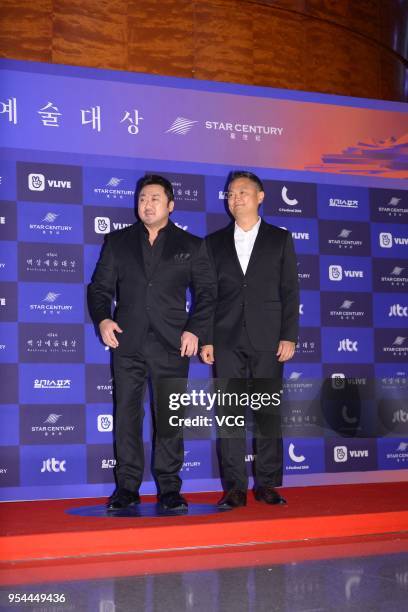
<point>148,267</point>
<point>255,328</point>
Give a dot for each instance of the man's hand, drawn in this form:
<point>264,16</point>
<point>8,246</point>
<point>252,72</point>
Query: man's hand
<point>107,327</point>
<point>189,344</point>
<point>286,350</point>
<point>207,354</point>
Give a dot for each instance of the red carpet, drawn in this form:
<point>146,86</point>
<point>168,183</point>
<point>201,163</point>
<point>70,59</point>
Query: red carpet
<point>41,530</point>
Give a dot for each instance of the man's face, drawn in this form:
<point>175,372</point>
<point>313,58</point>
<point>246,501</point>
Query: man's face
<point>153,206</point>
<point>244,198</point>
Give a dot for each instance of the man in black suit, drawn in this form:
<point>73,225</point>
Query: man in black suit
<point>148,267</point>
<point>255,328</point>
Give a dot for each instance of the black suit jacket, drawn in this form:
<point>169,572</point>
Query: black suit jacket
<point>159,301</point>
<point>267,296</point>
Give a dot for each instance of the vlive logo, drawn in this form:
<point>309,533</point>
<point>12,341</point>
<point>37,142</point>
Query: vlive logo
<point>103,225</point>
<point>112,189</point>
<point>105,422</point>
<point>51,385</point>
<point>342,454</point>
<point>53,465</point>
<point>336,273</point>
<point>300,235</point>
<point>49,182</point>
<point>38,182</point>
<point>348,345</point>
<point>386,240</point>
<point>396,310</point>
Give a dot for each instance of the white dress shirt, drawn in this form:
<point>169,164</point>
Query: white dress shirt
<point>244,243</point>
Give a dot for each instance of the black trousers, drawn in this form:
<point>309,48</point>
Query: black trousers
<point>132,371</point>
<point>244,362</point>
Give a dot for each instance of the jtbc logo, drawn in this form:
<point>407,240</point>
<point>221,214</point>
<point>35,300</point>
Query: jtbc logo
<point>396,310</point>
<point>348,345</point>
<point>53,465</point>
<point>400,416</point>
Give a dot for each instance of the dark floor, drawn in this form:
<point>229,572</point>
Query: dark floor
<point>374,583</point>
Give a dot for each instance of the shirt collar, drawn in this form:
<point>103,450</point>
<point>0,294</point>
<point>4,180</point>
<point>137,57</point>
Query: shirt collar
<point>254,228</point>
<point>163,230</point>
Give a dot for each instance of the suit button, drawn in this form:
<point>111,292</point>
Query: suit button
<point>245,285</point>
<point>150,285</point>
<point>147,307</point>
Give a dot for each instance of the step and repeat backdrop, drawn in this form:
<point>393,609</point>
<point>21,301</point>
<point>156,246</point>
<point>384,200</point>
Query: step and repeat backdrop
<point>74,141</point>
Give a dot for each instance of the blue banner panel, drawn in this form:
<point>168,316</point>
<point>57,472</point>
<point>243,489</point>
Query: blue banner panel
<point>393,453</point>
<point>9,425</point>
<point>46,383</point>
<point>8,261</point>
<point>40,302</point>
<point>345,273</point>
<point>8,180</point>
<point>99,424</point>
<point>344,454</point>
<point>338,202</point>
<point>9,466</point>
<point>390,276</point>
<point>42,424</point>
<point>50,263</point>
<point>8,220</point>
<point>50,223</point>
<point>389,206</point>
<point>304,455</point>
<point>51,343</point>
<point>38,182</point>
<point>340,308</point>
<point>289,199</point>
<point>51,465</point>
<point>352,345</point>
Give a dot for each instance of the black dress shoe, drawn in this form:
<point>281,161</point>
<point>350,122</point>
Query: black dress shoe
<point>234,498</point>
<point>173,501</point>
<point>122,498</point>
<point>269,495</point>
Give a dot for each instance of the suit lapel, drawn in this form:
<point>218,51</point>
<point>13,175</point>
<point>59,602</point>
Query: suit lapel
<point>230,251</point>
<point>135,239</point>
<point>170,244</point>
<point>259,245</point>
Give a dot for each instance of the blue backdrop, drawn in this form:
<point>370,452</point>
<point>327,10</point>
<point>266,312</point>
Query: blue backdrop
<point>346,414</point>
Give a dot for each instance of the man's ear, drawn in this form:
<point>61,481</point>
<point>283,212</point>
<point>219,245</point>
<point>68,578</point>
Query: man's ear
<point>171,205</point>
<point>261,196</point>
